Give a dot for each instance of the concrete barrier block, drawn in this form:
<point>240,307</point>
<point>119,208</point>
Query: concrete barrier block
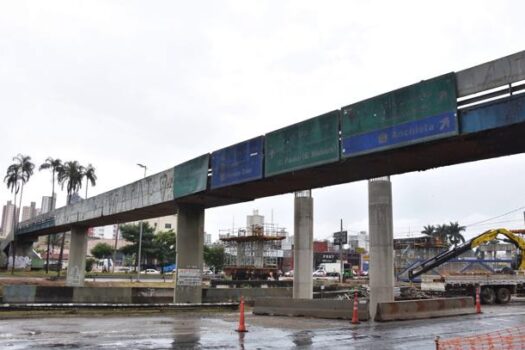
<point>118,295</point>
<point>426,308</point>
<point>320,308</point>
<point>14,294</point>
<point>217,295</point>
<point>151,295</point>
<point>45,294</point>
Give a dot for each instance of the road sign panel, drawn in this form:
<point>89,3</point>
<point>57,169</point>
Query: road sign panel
<point>493,115</point>
<point>191,176</point>
<point>303,145</point>
<point>238,163</point>
<point>340,237</point>
<point>413,114</point>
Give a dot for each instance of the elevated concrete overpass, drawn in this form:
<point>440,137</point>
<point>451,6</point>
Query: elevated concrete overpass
<point>477,113</point>
<point>154,195</point>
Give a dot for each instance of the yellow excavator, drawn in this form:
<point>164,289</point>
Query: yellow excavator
<point>487,236</point>
<point>494,288</point>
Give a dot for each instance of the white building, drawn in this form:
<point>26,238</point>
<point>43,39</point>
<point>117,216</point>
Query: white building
<point>7,218</point>
<point>48,203</point>
<point>164,223</point>
<point>105,232</point>
<point>360,240</point>
<point>29,212</point>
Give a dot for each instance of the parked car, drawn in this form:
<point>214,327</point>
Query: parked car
<point>151,271</point>
<point>319,273</point>
<point>125,269</point>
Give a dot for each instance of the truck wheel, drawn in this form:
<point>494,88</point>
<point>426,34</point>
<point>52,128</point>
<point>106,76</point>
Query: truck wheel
<point>488,296</point>
<point>503,295</point>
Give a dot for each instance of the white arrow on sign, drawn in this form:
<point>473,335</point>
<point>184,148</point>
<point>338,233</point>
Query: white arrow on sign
<point>444,123</point>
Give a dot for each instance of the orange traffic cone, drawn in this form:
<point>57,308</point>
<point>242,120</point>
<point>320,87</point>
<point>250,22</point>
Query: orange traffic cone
<point>355,313</point>
<point>242,326</point>
<point>478,301</point>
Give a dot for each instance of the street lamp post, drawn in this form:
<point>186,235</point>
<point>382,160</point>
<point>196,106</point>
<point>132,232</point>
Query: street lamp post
<point>140,231</point>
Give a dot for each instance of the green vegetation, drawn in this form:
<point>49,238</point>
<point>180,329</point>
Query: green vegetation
<point>165,243</point>
<point>102,251</point>
<point>91,178</point>
<point>214,257</point>
<point>89,264</point>
<point>160,246</point>
<point>131,233</point>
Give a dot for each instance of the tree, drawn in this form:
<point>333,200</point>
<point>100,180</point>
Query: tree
<point>89,174</point>
<point>89,264</point>
<point>102,251</point>
<point>17,176</point>
<point>71,176</point>
<point>165,243</point>
<point>56,167</point>
<point>214,257</point>
<point>429,230</point>
<point>454,235</point>
<point>131,233</point>
<point>448,234</point>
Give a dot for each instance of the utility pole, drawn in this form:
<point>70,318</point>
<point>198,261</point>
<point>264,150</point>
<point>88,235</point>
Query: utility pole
<point>341,273</point>
<point>140,232</point>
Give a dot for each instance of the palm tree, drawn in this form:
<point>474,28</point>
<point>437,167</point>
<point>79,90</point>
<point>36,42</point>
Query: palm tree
<point>17,176</point>
<point>25,167</point>
<point>12,180</point>
<point>89,174</point>
<point>70,175</point>
<point>441,233</point>
<point>429,230</point>
<point>454,235</point>
<point>56,167</point>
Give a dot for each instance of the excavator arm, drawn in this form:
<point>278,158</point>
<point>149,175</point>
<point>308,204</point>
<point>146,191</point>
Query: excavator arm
<point>487,236</point>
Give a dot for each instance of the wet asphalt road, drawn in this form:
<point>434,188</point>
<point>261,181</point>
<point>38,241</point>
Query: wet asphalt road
<point>217,331</point>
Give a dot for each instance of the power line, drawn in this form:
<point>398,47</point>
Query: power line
<point>496,217</point>
<point>498,222</point>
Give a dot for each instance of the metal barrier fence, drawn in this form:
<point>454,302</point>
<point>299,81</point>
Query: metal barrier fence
<point>510,338</point>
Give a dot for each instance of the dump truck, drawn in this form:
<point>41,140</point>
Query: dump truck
<point>494,287</point>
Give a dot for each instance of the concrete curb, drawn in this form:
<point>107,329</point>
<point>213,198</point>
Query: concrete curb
<point>69,306</point>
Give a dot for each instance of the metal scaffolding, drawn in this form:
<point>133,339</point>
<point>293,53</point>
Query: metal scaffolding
<point>252,252</point>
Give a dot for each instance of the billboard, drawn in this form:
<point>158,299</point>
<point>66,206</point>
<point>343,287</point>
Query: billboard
<point>413,114</point>
<point>306,144</point>
<point>191,176</point>
<point>238,163</point>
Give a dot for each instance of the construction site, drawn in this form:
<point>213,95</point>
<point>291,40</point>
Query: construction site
<point>252,252</point>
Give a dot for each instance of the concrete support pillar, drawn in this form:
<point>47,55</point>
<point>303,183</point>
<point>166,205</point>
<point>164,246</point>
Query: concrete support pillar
<point>190,254</point>
<point>76,266</point>
<point>303,245</point>
<point>381,228</point>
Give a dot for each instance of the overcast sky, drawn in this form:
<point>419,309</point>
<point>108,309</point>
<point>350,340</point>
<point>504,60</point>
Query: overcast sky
<point>115,83</point>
